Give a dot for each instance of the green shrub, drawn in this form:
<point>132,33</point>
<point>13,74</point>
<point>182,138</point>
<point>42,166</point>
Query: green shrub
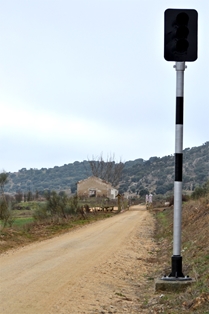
<point>6,215</point>
<point>56,204</point>
<point>40,213</point>
<point>201,191</point>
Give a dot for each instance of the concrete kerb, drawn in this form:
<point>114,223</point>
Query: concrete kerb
<point>172,286</point>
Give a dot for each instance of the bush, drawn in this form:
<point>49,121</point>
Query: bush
<point>170,199</point>
<point>56,204</point>
<point>6,215</point>
<point>201,191</point>
<point>40,213</point>
<point>72,205</point>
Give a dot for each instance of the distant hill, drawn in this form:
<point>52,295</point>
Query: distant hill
<point>155,175</point>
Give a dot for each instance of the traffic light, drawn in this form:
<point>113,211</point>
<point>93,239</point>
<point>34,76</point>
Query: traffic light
<point>180,35</point>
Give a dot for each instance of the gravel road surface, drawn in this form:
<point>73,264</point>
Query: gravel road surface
<point>99,268</point>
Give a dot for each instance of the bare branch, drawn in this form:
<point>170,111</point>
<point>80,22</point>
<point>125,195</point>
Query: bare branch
<point>108,170</point>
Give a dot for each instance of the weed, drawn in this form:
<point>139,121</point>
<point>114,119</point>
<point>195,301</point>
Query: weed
<point>195,251</point>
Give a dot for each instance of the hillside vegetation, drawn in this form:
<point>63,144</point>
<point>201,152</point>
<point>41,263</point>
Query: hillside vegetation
<point>140,176</point>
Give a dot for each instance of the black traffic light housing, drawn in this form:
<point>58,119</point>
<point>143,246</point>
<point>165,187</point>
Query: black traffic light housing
<point>180,35</point>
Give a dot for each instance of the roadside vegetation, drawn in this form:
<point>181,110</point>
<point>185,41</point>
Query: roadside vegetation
<point>23,222</point>
<point>195,253</point>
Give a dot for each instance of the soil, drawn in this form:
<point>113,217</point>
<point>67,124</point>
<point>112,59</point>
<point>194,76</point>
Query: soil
<point>104,267</point>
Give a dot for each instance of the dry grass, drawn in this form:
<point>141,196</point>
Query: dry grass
<point>195,253</point>
<point>17,236</point>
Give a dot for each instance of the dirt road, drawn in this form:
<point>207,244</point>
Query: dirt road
<point>100,268</point>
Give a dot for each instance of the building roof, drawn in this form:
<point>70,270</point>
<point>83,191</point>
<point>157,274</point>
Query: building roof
<point>97,178</point>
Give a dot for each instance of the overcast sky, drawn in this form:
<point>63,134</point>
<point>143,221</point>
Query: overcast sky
<point>83,77</point>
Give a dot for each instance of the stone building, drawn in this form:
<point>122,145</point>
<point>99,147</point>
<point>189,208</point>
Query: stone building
<point>96,187</point>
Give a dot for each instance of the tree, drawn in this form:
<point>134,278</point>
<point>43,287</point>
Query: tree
<point>18,196</point>
<point>29,196</point>
<point>5,205</point>
<point>56,204</point>
<point>3,181</point>
<point>108,170</point>
<point>143,192</point>
<point>37,195</point>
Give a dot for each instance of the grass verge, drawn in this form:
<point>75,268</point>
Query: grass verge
<point>195,254</point>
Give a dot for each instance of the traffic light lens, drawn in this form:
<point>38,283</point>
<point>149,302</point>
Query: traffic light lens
<point>182,32</point>
<point>182,45</point>
<point>182,19</point>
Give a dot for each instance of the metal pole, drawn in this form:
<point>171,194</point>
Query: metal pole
<point>176,259</point>
<point>180,67</point>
